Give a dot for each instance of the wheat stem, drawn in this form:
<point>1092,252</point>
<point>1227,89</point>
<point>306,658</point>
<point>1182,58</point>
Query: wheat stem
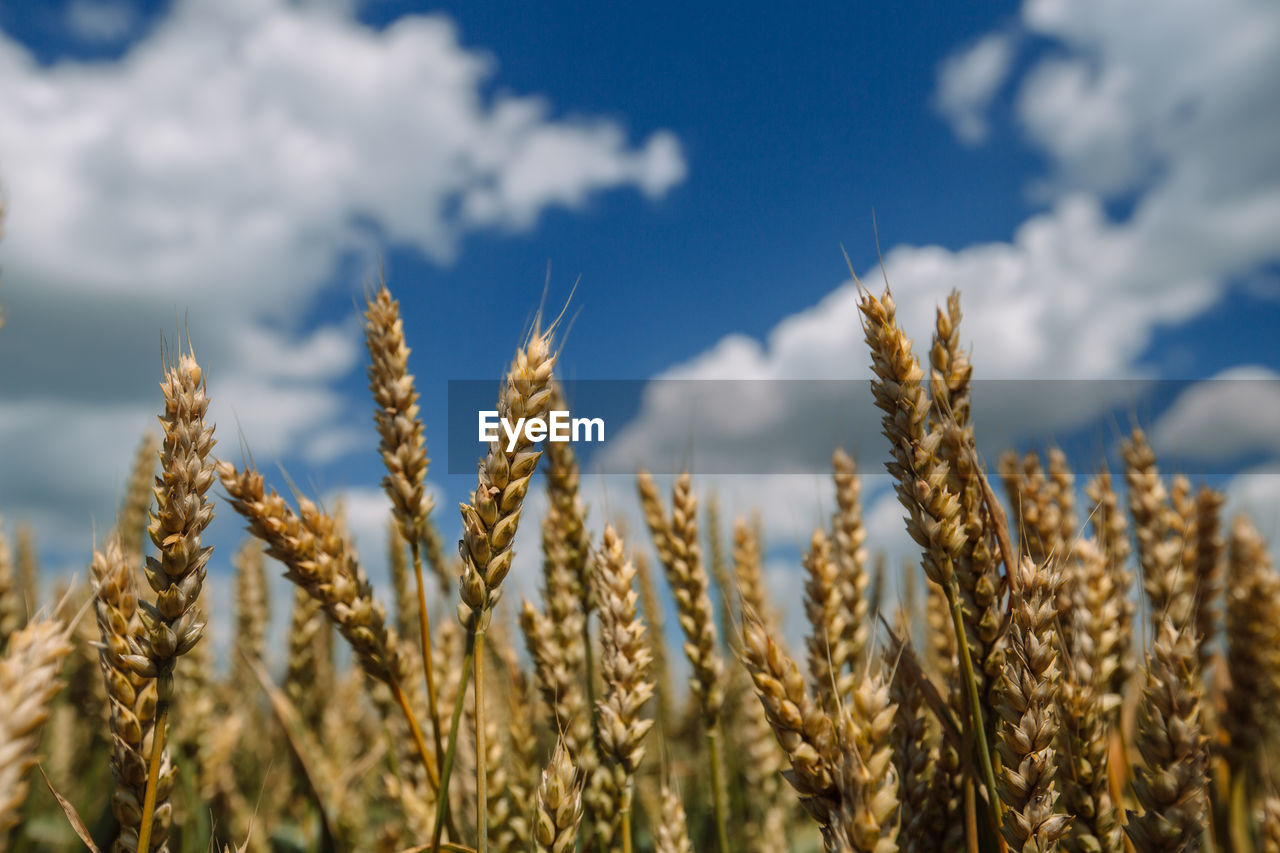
<point>416,732</point>
<point>482,788</point>
<point>717,788</point>
<point>153,775</point>
<point>975,708</point>
<point>451,751</point>
<point>428,672</point>
<point>628,795</point>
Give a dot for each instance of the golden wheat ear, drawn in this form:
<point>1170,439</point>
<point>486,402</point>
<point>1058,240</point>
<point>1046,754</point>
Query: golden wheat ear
<point>29,681</point>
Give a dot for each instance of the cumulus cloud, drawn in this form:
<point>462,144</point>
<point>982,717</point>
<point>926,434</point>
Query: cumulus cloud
<point>210,181</point>
<point>1074,294</point>
<point>968,82</point>
<point>1224,418</point>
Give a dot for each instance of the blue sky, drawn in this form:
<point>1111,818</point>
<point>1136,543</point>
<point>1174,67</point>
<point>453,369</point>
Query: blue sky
<point>1100,179</point>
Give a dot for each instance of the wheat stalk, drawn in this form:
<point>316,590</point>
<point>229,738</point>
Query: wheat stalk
<point>935,519</point>
<point>404,453</point>
<point>625,664</point>
<point>173,625</point>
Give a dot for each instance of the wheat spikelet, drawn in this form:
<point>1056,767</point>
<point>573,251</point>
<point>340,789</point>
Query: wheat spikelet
<point>303,663</point>
<point>829,650</point>
<point>402,586</point>
<point>689,583</point>
<point>554,641</point>
<point>316,557</point>
<point>749,574</point>
<point>253,610</point>
<point>651,611</point>
<point>1206,568</point>
<point>761,769</point>
<point>848,536</point>
<point>1110,531</point>
<point>951,371</point>
<point>1166,581</point>
<point>566,507</point>
<point>801,727</point>
<point>655,516</point>
<point>403,448</point>
<point>923,822</point>
<point>559,804</point>
<point>174,624</point>
<point>1029,723</point>
<point>1063,491</point>
<point>625,660</point>
<point>1270,822</point>
<point>866,777</point>
<point>1031,496</point>
<point>1087,709</point>
<point>1171,788</point>
<point>672,835</point>
<point>1253,647</point>
<point>933,510</point>
<point>490,520</point>
<point>28,683</point>
<point>979,586</point>
<point>131,521</point>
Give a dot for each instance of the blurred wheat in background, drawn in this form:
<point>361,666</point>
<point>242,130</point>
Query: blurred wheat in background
<point>1057,671</point>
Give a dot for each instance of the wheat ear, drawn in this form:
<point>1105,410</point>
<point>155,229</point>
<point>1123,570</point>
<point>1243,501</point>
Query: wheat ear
<point>1029,720</point>
<point>173,625</point>
<point>672,835</point>
<point>559,804</point>
<point>935,519</point>
<point>132,699</point>
<point>848,538</point>
<point>491,518</point>
<point>1171,787</point>
<point>1087,709</point>
<point>28,683</point>
<point>131,523</point>
<point>404,453</point>
<point>802,728</point>
<point>1253,649</point>
<point>625,663</point>
<point>866,777</point>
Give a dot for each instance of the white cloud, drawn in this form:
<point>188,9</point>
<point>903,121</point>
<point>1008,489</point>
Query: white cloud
<point>1223,418</point>
<point>210,181</point>
<point>968,82</point>
<point>1074,293</point>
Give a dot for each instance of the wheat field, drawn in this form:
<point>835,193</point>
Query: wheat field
<point>1080,666</point>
